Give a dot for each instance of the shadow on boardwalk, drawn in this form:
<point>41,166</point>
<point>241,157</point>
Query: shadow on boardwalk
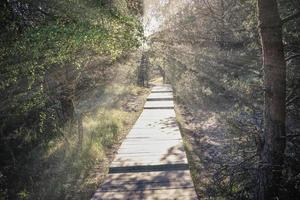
<point>168,184</point>
<point>151,162</point>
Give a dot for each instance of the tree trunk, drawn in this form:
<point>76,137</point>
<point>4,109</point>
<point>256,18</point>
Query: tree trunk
<point>68,92</point>
<point>162,73</point>
<point>80,132</point>
<point>146,78</point>
<point>67,107</point>
<point>116,5</point>
<point>142,71</point>
<point>273,138</point>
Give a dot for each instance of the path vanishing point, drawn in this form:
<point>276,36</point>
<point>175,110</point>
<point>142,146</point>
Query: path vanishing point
<point>151,162</point>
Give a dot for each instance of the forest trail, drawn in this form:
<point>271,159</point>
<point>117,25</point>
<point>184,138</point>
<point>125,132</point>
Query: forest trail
<point>151,162</point>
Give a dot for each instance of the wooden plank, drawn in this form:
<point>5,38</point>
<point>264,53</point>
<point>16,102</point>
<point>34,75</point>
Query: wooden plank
<point>127,181</point>
<point>178,151</point>
<point>159,105</point>
<point>157,124</point>
<point>152,138</point>
<point>153,114</point>
<point>160,96</point>
<point>164,88</point>
<point>148,185</point>
<point>140,154</point>
<point>172,194</point>
<point>157,131</point>
<point>153,141</point>
<point>158,120</point>
<point>150,168</point>
<point>166,145</point>
<point>144,163</point>
<point>128,156</point>
<point>157,157</point>
<point>135,148</point>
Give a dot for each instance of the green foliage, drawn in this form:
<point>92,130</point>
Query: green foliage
<point>46,48</point>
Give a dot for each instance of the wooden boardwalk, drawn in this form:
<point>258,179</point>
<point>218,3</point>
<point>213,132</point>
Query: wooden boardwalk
<point>151,162</point>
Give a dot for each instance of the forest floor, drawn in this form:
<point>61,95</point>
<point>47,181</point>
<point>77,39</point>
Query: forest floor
<point>213,152</point>
<point>202,135</point>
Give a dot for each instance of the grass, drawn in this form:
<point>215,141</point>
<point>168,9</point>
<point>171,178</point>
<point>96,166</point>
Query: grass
<point>63,169</point>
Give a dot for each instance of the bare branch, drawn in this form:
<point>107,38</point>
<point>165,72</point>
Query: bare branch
<point>291,17</point>
<point>292,57</point>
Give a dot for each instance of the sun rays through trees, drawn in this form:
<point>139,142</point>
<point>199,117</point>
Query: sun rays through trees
<point>74,75</point>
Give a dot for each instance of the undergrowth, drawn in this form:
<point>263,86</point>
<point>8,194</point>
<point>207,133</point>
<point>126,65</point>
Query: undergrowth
<point>64,169</point>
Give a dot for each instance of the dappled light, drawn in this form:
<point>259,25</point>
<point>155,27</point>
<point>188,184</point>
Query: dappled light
<point>149,99</point>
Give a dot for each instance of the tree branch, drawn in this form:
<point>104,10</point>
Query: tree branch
<point>292,57</point>
<point>291,17</point>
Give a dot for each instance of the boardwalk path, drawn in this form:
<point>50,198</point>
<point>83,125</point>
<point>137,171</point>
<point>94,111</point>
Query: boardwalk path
<point>151,162</point>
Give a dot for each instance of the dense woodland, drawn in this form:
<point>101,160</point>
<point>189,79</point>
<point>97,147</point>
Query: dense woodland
<point>67,74</point>
<point>74,74</point>
<point>235,67</point>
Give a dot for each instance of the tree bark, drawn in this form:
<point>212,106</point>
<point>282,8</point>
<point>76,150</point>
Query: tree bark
<point>273,138</point>
<point>68,92</point>
<point>67,107</point>
<point>80,132</point>
<point>143,71</point>
<point>117,5</point>
<point>162,73</point>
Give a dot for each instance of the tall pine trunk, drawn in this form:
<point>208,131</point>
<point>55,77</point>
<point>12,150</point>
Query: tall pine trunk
<point>273,138</point>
